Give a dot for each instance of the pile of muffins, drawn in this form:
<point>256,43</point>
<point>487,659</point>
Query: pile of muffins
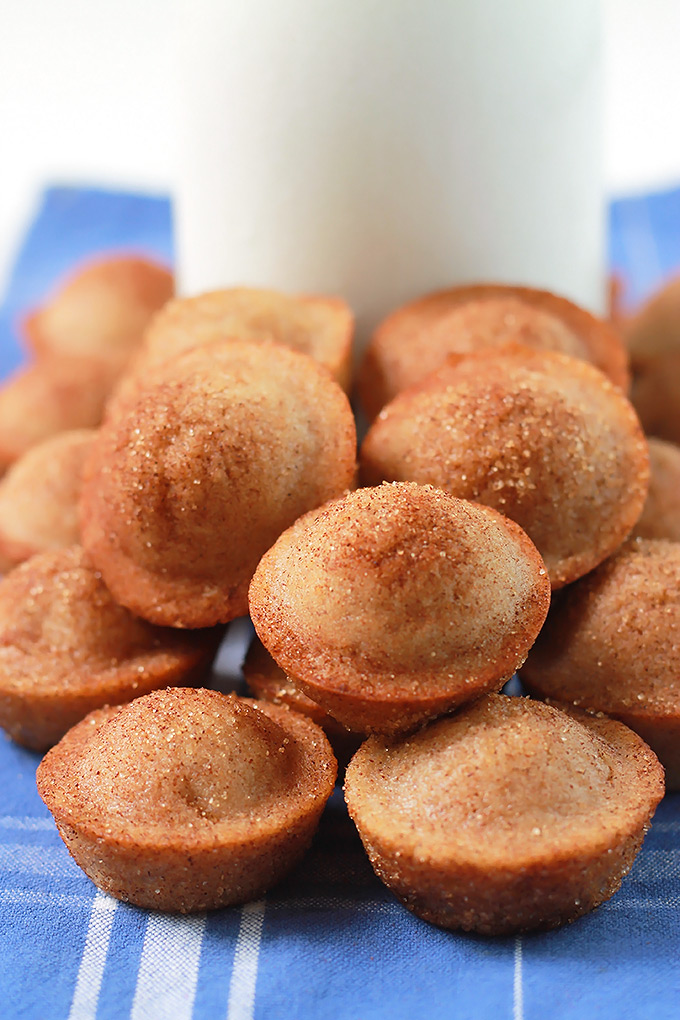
<point>173,464</point>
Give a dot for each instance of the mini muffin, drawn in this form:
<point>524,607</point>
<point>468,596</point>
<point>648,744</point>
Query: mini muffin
<point>188,486</point>
<point>53,395</point>
<point>268,682</point>
<point>661,514</point>
<point>546,439</point>
<point>612,644</point>
<point>654,331</point>
<point>39,496</point>
<point>508,816</point>
<point>321,327</point>
<point>67,648</point>
<point>101,311</point>
<point>187,800</point>
<point>415,339</point>
<point>393,605</point>
<point>656,396</point>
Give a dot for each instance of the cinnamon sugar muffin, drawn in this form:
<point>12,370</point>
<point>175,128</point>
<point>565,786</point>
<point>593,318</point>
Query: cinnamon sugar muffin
<point>101,310</point>
<point>50,396</point>
<point>268,682</point>
<point>612,644</point>
<point>67,648</point>
<point>188,800</point>
<point>661,514</point>
<point>39,496</point>
<point>544,438</point>
<point>188,486</point>
<point>508,816</point>
<point>655,394</point>
<point>415,339</point>
<point>392,605</point>
<point>654,331</point>
<point>321,327</point>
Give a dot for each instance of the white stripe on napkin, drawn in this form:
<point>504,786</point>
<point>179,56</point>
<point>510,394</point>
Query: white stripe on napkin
<point>168,970</point>
<point>517,990</point>
<point>246,958</point>
<point>93,961</point>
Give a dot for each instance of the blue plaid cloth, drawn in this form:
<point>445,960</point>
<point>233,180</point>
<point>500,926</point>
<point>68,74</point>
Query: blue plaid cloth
<point>331,942</point>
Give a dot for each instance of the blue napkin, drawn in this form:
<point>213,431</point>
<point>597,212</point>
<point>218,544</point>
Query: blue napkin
<point>331,941</point>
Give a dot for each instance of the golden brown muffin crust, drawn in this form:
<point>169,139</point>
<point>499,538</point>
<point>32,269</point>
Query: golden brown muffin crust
<point>268,682</point>
<point>415,339</point>
<point>66,648</point>
<point>656,396</point>
<point>39,496</point>
<point>51,396</point>
<point>544,438</point>
<point>654,331</point>
<point>612,644</point>
<point>187,800</point>
<point>506,816</point>
<point>186,488</point>
<point>101,310</point>
<point>320,327</point>
<point>392,604</point>
<point>661,514</point>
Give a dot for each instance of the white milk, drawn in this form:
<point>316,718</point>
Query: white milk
<point>378,149</point>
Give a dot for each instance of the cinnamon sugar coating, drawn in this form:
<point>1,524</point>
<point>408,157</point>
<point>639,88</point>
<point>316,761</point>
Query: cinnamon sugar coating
<point>53,395</point>
<point>545,438</point>
<point>394,604</point>
<point>321,327</point>
<point>612,644</point>
<point>188,800</point>
<point>415,339</point>
<point>67,648</point>
<point>268,682</point>
<point>661,514</point>
<point>187,487</point>
<point>39,496</point>
<point>101,310</point>
<point>508,816</point>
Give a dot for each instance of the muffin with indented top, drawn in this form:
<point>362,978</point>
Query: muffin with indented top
<point>39,496</point>
<point>546,439</point>
<point>612,644</point>
<point>67,648</point>
<point>321,327</point>
<point>188,800</point>
<point>224,447</point>
<point>507,816</point>
<point>395,604</point>
<point>415,339</point>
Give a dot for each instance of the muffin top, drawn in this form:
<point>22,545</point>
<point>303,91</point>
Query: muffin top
<point>612,640</point>
<point>320,327</point>
<point>661,514</point>
<point>101,310</point>
<point>187,766</point>
<point>504,782</point>
<point>546,439</point>
<point>399,592</point>
<point>416,338</point>
<point>61,629</point>
<point>40,493</point>
<point>186,487</point>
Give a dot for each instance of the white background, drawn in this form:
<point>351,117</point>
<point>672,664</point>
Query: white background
<point>85,97</point>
